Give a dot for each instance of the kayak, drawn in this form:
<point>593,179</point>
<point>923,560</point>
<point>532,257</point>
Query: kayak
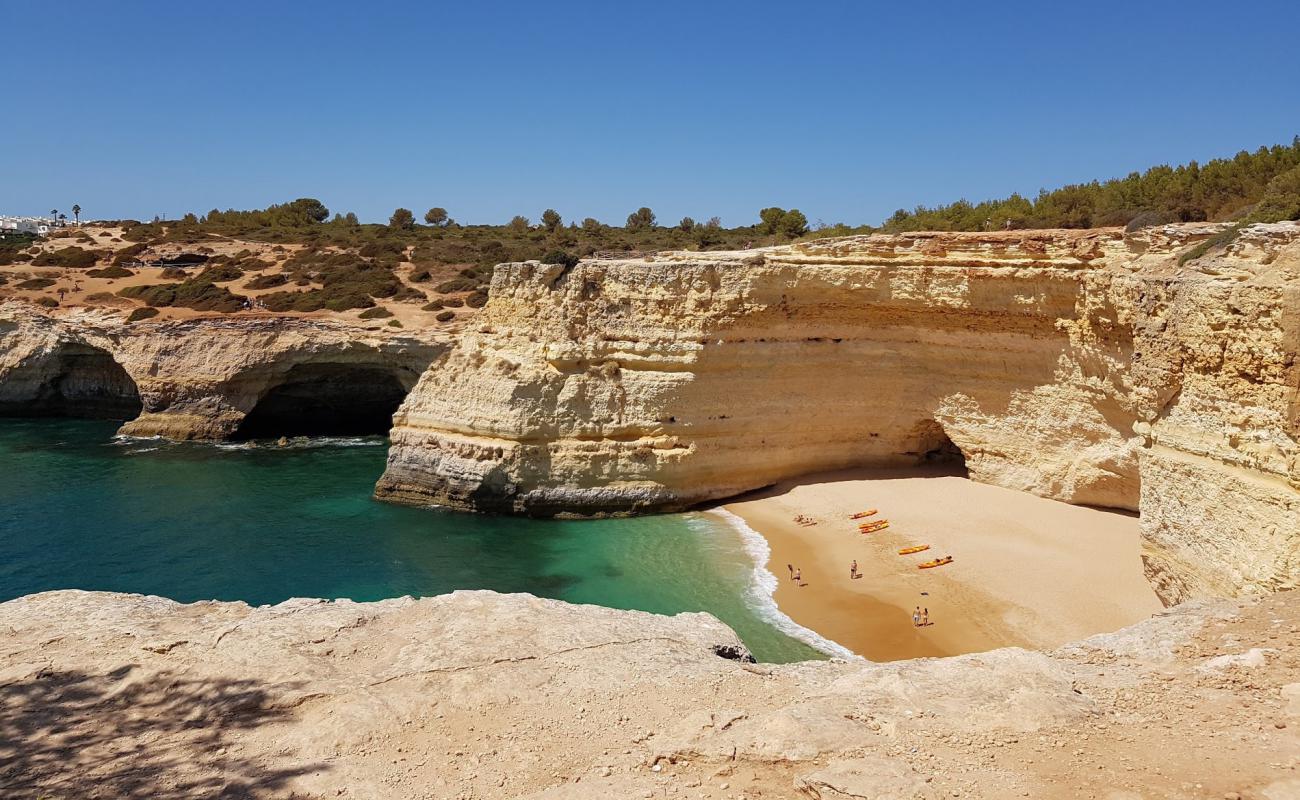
<point>872,527</point>
<point>907,551</point>
<point>862,514</point>
<point>938,562</point>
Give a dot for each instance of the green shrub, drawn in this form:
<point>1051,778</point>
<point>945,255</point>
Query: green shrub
<point>568,260</point>
<point>113,271</point>
<point>71,257</point>
<point>436,305</point>
<point>129,253</point>
<point>453,302</point>
<point>477,299</point>
<point>461,284</point>
<point>382,248</point>
<point>200,295</point>
<point>422,276</point>
<point>445,316</point>
<point>1223,238</point>
<point>378,312</point>
<point>37,283</point>
<point>174,274</point>
<point>406,294</point>
<point>142,313</point>
<point>267,281</point>
<point>47,302</point>
<point>220,273</point>
<point>316,300</point>
<point>394,323</point>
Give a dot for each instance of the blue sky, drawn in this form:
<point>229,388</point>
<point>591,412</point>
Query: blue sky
<point>846,110</point>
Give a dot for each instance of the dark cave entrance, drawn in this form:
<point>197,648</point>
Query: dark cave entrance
<point>933,448</point>
<point>83,381</point>
<point>326,400</point>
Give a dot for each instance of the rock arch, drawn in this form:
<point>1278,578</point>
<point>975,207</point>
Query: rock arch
<point>327,399</point>
<point>73,380</point>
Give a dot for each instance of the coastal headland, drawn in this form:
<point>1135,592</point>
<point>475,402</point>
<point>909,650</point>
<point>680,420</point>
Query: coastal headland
<point>1123,406</point>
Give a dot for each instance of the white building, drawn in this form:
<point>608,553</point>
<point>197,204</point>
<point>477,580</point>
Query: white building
<point>37,225</point>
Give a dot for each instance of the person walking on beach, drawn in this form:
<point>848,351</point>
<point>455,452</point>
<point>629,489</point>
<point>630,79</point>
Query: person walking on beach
<point>916,617</point>
<point>798,577</point>
<point>853,569</point>
<point>791,568</point>
<point>925,617</point>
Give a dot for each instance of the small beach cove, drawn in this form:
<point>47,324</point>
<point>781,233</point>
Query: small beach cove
<point>1027,571</point>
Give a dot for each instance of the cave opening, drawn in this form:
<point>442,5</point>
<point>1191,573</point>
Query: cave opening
<point>82,381</point>
<point>326,400</point>
<point>934,448</point>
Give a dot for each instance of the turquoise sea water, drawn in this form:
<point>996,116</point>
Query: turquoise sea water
<point>80,509</point>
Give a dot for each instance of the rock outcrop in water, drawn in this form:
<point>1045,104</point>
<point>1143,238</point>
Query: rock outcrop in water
<point>482,695</point>
<point>1086,366</point>
<point>208,378</point>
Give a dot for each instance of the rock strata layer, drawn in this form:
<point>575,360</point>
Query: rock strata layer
<point>1085,366</point>
<point>201,378</point>
<point>482,695</point>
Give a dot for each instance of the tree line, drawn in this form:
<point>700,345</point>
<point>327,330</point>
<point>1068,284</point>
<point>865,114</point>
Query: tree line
<point>1263,186</point>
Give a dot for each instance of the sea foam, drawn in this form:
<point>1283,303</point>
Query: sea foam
<point>762,585</point>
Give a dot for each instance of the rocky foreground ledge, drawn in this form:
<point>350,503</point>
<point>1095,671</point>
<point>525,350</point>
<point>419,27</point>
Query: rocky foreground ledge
<point>482,695</point>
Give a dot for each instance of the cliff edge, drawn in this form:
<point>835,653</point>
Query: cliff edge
<point>1087,366</point>
<point>477,694</point>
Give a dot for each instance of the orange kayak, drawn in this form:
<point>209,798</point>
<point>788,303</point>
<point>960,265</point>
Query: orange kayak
<point>938,562</point>
<point>862,514</point>
<point>907,551</point>
<point>872,527</point>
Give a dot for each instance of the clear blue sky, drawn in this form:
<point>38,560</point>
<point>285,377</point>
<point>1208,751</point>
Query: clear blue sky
<point>846,110</point>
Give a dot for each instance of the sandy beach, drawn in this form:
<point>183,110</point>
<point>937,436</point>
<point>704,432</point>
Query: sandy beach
<point>1026,572</point>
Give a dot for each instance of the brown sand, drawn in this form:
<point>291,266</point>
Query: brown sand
<point>1027,571</point>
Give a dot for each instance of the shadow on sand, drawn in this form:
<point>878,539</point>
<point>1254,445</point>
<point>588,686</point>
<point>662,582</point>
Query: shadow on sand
<point>125,734</point>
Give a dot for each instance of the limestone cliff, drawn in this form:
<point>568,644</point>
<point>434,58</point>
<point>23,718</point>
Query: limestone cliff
<point>480,695</point>
<point>202,378</point>
<point>1086,366</point>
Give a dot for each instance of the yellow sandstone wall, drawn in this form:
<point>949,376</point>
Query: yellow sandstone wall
<point>1086,366</point>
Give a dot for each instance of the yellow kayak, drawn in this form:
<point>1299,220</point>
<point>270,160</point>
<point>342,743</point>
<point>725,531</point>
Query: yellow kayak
<point>872,527</point>
<point>907,551</point>
<point>938,562</point>
<point>862,514</point>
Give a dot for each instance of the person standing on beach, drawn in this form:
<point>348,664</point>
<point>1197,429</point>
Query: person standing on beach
<point>925,617</point>
<point>791,568</point>
<point>853,569</point>
<point>798,577</point>
<point>916,617</point>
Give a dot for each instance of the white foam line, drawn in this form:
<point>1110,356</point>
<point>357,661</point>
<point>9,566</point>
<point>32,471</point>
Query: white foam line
<point>758,595</point>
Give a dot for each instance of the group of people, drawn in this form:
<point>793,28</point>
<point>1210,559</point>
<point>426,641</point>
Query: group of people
<point>796,575</point>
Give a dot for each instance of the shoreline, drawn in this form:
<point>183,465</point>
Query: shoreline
<point>763,584</point>
<point>1021,564</point>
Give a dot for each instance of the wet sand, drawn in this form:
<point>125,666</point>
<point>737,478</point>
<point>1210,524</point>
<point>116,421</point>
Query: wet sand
<point>1027,571</point>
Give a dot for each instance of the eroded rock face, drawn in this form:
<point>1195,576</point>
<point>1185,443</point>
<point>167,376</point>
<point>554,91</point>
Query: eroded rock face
<point>200,379</point>
<point>1085,366</point>
<point>477,694</point>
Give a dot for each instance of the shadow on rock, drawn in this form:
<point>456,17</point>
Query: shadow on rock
<point>127,734</point>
